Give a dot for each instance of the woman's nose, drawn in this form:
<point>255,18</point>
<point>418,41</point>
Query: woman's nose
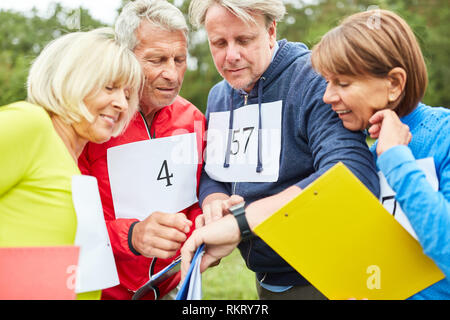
<point>121,100</point>
<point>330,96</point>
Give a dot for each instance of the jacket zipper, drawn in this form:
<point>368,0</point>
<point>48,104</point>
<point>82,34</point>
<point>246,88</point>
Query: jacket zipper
<point>147,126</point>
<point>234,191</point>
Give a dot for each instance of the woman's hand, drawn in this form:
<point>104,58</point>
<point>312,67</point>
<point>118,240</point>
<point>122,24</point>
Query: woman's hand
<point>223,235</point>
<point>221,238</point>
<point>389,130</point>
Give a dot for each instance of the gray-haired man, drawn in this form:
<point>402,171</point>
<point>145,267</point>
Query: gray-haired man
<point>156,32</point>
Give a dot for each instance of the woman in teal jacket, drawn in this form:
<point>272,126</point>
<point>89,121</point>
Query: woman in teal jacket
<point>376,78</point>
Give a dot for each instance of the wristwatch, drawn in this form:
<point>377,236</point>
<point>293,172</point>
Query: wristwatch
<point>238,212</point>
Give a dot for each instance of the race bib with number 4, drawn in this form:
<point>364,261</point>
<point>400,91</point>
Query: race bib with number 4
<point>153,175</point>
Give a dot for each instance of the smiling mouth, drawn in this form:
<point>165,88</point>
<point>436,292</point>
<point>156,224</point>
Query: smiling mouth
<point>343,112</point>
<point>110,119</point>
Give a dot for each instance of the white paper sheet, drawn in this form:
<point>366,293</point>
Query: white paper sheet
<point>191,288</point>
<point>96,266</point>
<point>387,194</point>
<point>153,175</point>
<point>195,283</point>
<point>244,144</point>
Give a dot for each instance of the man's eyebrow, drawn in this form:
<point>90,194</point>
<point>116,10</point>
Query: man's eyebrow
<point>215,39</point>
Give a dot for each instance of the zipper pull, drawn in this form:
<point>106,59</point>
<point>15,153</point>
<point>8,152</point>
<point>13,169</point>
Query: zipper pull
<point>245,99</point>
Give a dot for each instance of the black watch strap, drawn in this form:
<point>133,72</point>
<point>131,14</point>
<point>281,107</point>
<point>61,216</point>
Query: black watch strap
<point>239,213</point>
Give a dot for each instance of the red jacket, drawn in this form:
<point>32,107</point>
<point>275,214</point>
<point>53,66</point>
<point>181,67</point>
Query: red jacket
<point>133,269</point>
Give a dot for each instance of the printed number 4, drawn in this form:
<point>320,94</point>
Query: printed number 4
<point>166,172</point>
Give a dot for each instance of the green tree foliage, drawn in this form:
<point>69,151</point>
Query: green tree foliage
<point>22,38</point>
<point>308,21</point>
<point>23,35</point>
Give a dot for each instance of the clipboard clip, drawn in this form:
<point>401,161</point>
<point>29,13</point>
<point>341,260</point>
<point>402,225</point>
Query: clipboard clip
<point>157,279</point>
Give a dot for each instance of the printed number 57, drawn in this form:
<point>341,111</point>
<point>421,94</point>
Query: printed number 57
<point>235,141</point>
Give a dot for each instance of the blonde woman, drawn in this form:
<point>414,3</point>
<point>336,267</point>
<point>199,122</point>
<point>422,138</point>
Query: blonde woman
<point>82,87</point>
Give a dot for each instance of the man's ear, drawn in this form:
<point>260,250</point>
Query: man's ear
<point>272,30</point>
<point>397,81</point>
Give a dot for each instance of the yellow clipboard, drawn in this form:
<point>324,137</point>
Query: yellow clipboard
<point>340,238</point>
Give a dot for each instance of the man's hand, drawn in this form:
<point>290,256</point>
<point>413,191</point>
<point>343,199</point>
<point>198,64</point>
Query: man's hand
<point>215,207</point>
<point>161,234</point>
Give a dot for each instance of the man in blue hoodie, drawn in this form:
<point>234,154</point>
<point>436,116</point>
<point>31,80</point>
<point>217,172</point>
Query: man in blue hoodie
<point>269,132</point>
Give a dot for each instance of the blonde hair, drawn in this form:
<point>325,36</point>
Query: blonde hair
<point>359,47</point>
<point>77,66</point>
<point>273,10</point>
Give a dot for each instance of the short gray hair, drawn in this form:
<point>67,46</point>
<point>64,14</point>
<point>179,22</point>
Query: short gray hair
<point>159,12</point>
<point>271,9</point>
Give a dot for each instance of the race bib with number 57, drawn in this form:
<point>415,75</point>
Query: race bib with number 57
<point>243,152</point>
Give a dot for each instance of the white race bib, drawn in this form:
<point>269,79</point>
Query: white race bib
<point>387,195</point>
<point>244,144</point>
<point>153,175</point>
<point>96,265</point>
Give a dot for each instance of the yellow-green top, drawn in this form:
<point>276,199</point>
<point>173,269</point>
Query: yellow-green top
<point>36,170</point>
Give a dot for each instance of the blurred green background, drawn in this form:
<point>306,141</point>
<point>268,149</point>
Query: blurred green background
<point>24,34</point>
<point>230,280</point>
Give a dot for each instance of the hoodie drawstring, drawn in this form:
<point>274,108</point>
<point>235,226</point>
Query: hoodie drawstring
<point>230,132</point>
<point>259,167</point>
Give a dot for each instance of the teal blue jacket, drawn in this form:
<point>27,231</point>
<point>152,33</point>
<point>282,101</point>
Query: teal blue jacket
<point>427,210</point>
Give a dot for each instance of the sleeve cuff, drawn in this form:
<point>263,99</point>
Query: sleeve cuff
<point>130,234</point>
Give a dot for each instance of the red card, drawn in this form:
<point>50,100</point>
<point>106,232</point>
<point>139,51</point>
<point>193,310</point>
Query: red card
<point>38,273</point>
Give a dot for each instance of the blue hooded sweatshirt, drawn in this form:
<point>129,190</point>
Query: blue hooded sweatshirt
<point>312,141</point>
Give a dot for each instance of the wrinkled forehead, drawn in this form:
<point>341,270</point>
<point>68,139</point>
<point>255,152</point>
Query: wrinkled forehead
<point>150,35</point>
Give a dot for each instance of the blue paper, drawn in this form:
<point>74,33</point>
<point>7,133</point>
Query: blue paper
<point>191,289</point>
